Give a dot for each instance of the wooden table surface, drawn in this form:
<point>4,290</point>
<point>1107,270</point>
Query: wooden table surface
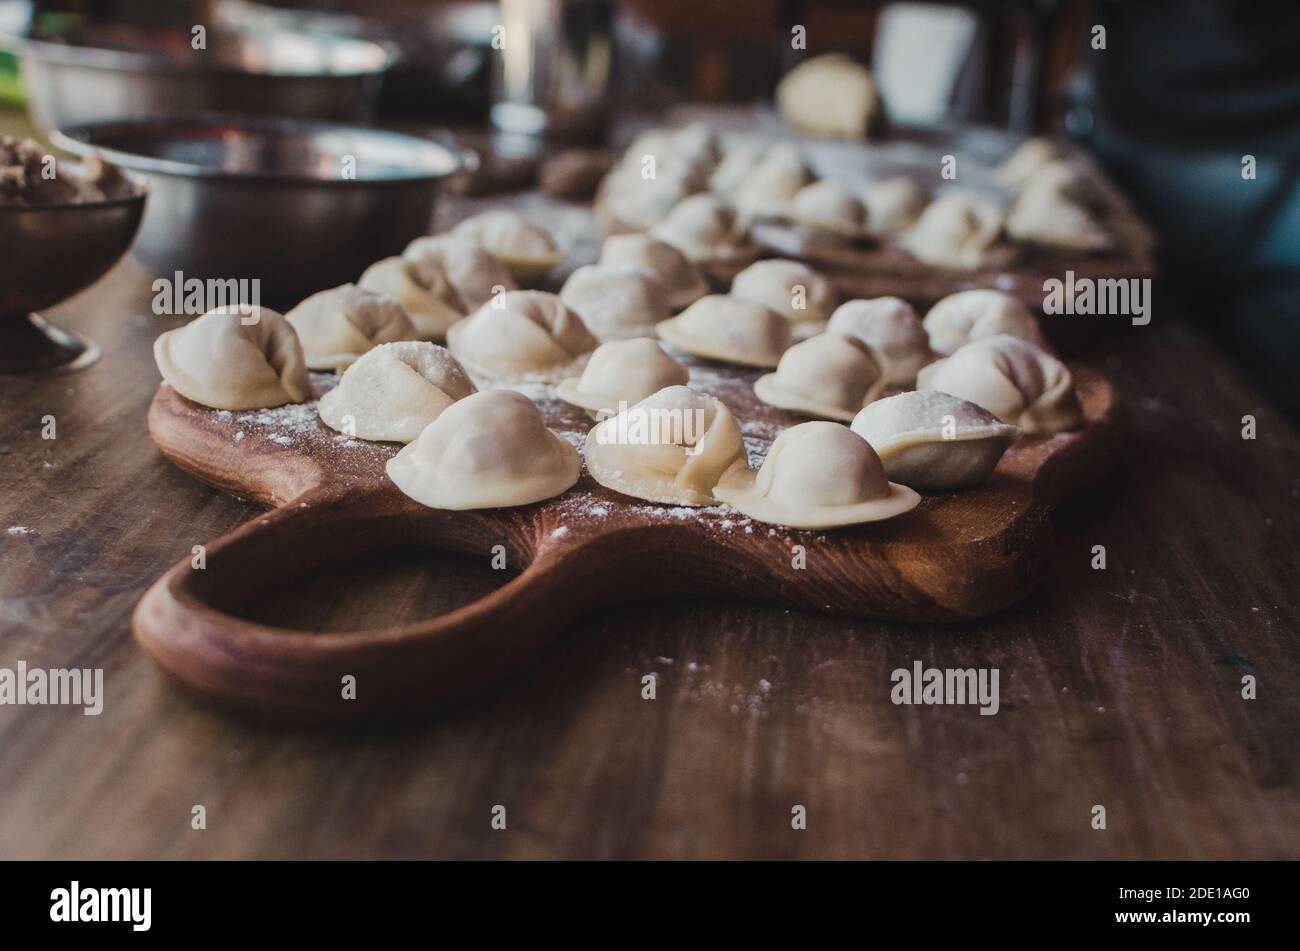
<point>1120,687</point>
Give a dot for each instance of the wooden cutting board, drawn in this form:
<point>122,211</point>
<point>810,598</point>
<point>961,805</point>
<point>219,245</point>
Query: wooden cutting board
<point>958,555</point>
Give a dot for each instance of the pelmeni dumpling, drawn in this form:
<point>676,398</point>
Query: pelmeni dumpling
<point>957,230</point>
<point>829,375</point>
<point>707,230</point>
<point>1031,155</point>
<point>232,358</point>
<point>969,315</point>
<point>1017,381</point>
<point>828,209</point>
<point>616,303</point>
<point>521,335</point>
<point>738,161</point>
<point>1054,208</point>
<point>622,372</point>
<point>526,249</point>
<point>932,440</point>
<point>729,329</point>
<point>489,450</point>
<point>430,312</point>
<point>681,280</point>
<point>830,95</point>
<point>671,447</point>
<point>697,143</point>
<point>630,198</point>
<point>769,189</point>
<point>338,325</point>
<point>894,204</point>
<point>817,475</point>
<point>792,289</point>
<point>394,391</point>
<point>891,327</point>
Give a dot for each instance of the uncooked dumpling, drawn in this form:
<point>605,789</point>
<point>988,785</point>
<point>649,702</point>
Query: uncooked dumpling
<point>969,315</point>
<point>616,303</point>
<point>521,335</point>
<point>958,230</point>
<point>394,391</point>
<point>621,374</point>
<point>707,230</point>
<point>829,95</point>
<point>681,280</point>
<point>672,447</point>
<point>894,204</point>
<point>1031,155</point>
<point>1055,208</point>
<point>829,375</point>
<point>1017,381</point>
<point>467,274</point>
<point>489,450</point>
<point>430,313</point>
<point>233,359</point>
<point>729,329</point>
<point>817,475</point>
<point>631,197</point>
<point>891,327</point>
<point>792,289</point>
<point>828,209</point>
<point>768,191</point>
<point>932,440</point>
<point>526,249</point>
<point>338,325</point>
<point>737,162</point>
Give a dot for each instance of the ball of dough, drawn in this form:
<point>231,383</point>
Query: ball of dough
<point>894,204</point>
<point>1017,381</point>
<point>792,289</point>
<point>958,230</point>
<point>971,315</point>
<point>394,391</point>
<point>616,303</point>
<point>817,475</point>
<point>671,447</point>
<point>526,249</point>
<point>891,327</point>
<point>829,375</point>
<point>521,335</point>
<point>489,450</point>
<point>707,230</point>
<point>730,330</point>
<point>338,325</point>
<point>933,441</point>
<point>621,374</point>
<point>234,359</point>
<point>830,95</point>
<point>681,280</point>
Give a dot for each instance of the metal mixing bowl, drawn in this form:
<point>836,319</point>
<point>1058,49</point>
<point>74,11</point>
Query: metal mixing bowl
<point>296,206</point>
<point>80,70</point>
<point>47,254</point>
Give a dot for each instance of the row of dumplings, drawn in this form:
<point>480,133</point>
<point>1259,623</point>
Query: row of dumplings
<point>701,194</point>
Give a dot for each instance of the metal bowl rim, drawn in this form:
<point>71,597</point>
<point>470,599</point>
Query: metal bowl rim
<point>77,140</point>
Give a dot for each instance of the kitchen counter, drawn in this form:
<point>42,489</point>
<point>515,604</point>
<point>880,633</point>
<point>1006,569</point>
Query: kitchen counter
<point>1119,687</point>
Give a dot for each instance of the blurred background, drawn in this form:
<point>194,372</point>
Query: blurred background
<point>1182,101</point>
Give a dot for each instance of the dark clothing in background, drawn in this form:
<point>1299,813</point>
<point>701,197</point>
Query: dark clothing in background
<point>1184,90</point>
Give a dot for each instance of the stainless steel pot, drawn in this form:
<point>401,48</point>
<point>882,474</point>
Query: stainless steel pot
<point>77,70</point>
<point>296,206</point>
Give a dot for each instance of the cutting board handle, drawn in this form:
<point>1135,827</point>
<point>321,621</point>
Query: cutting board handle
<point>188,621</point>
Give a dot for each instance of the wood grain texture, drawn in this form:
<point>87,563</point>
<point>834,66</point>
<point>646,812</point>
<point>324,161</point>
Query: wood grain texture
<point>1119,687</point>
<point>958,555</point>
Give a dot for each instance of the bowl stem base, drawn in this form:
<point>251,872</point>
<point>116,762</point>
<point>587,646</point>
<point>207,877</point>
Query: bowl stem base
<point>32,344</point>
